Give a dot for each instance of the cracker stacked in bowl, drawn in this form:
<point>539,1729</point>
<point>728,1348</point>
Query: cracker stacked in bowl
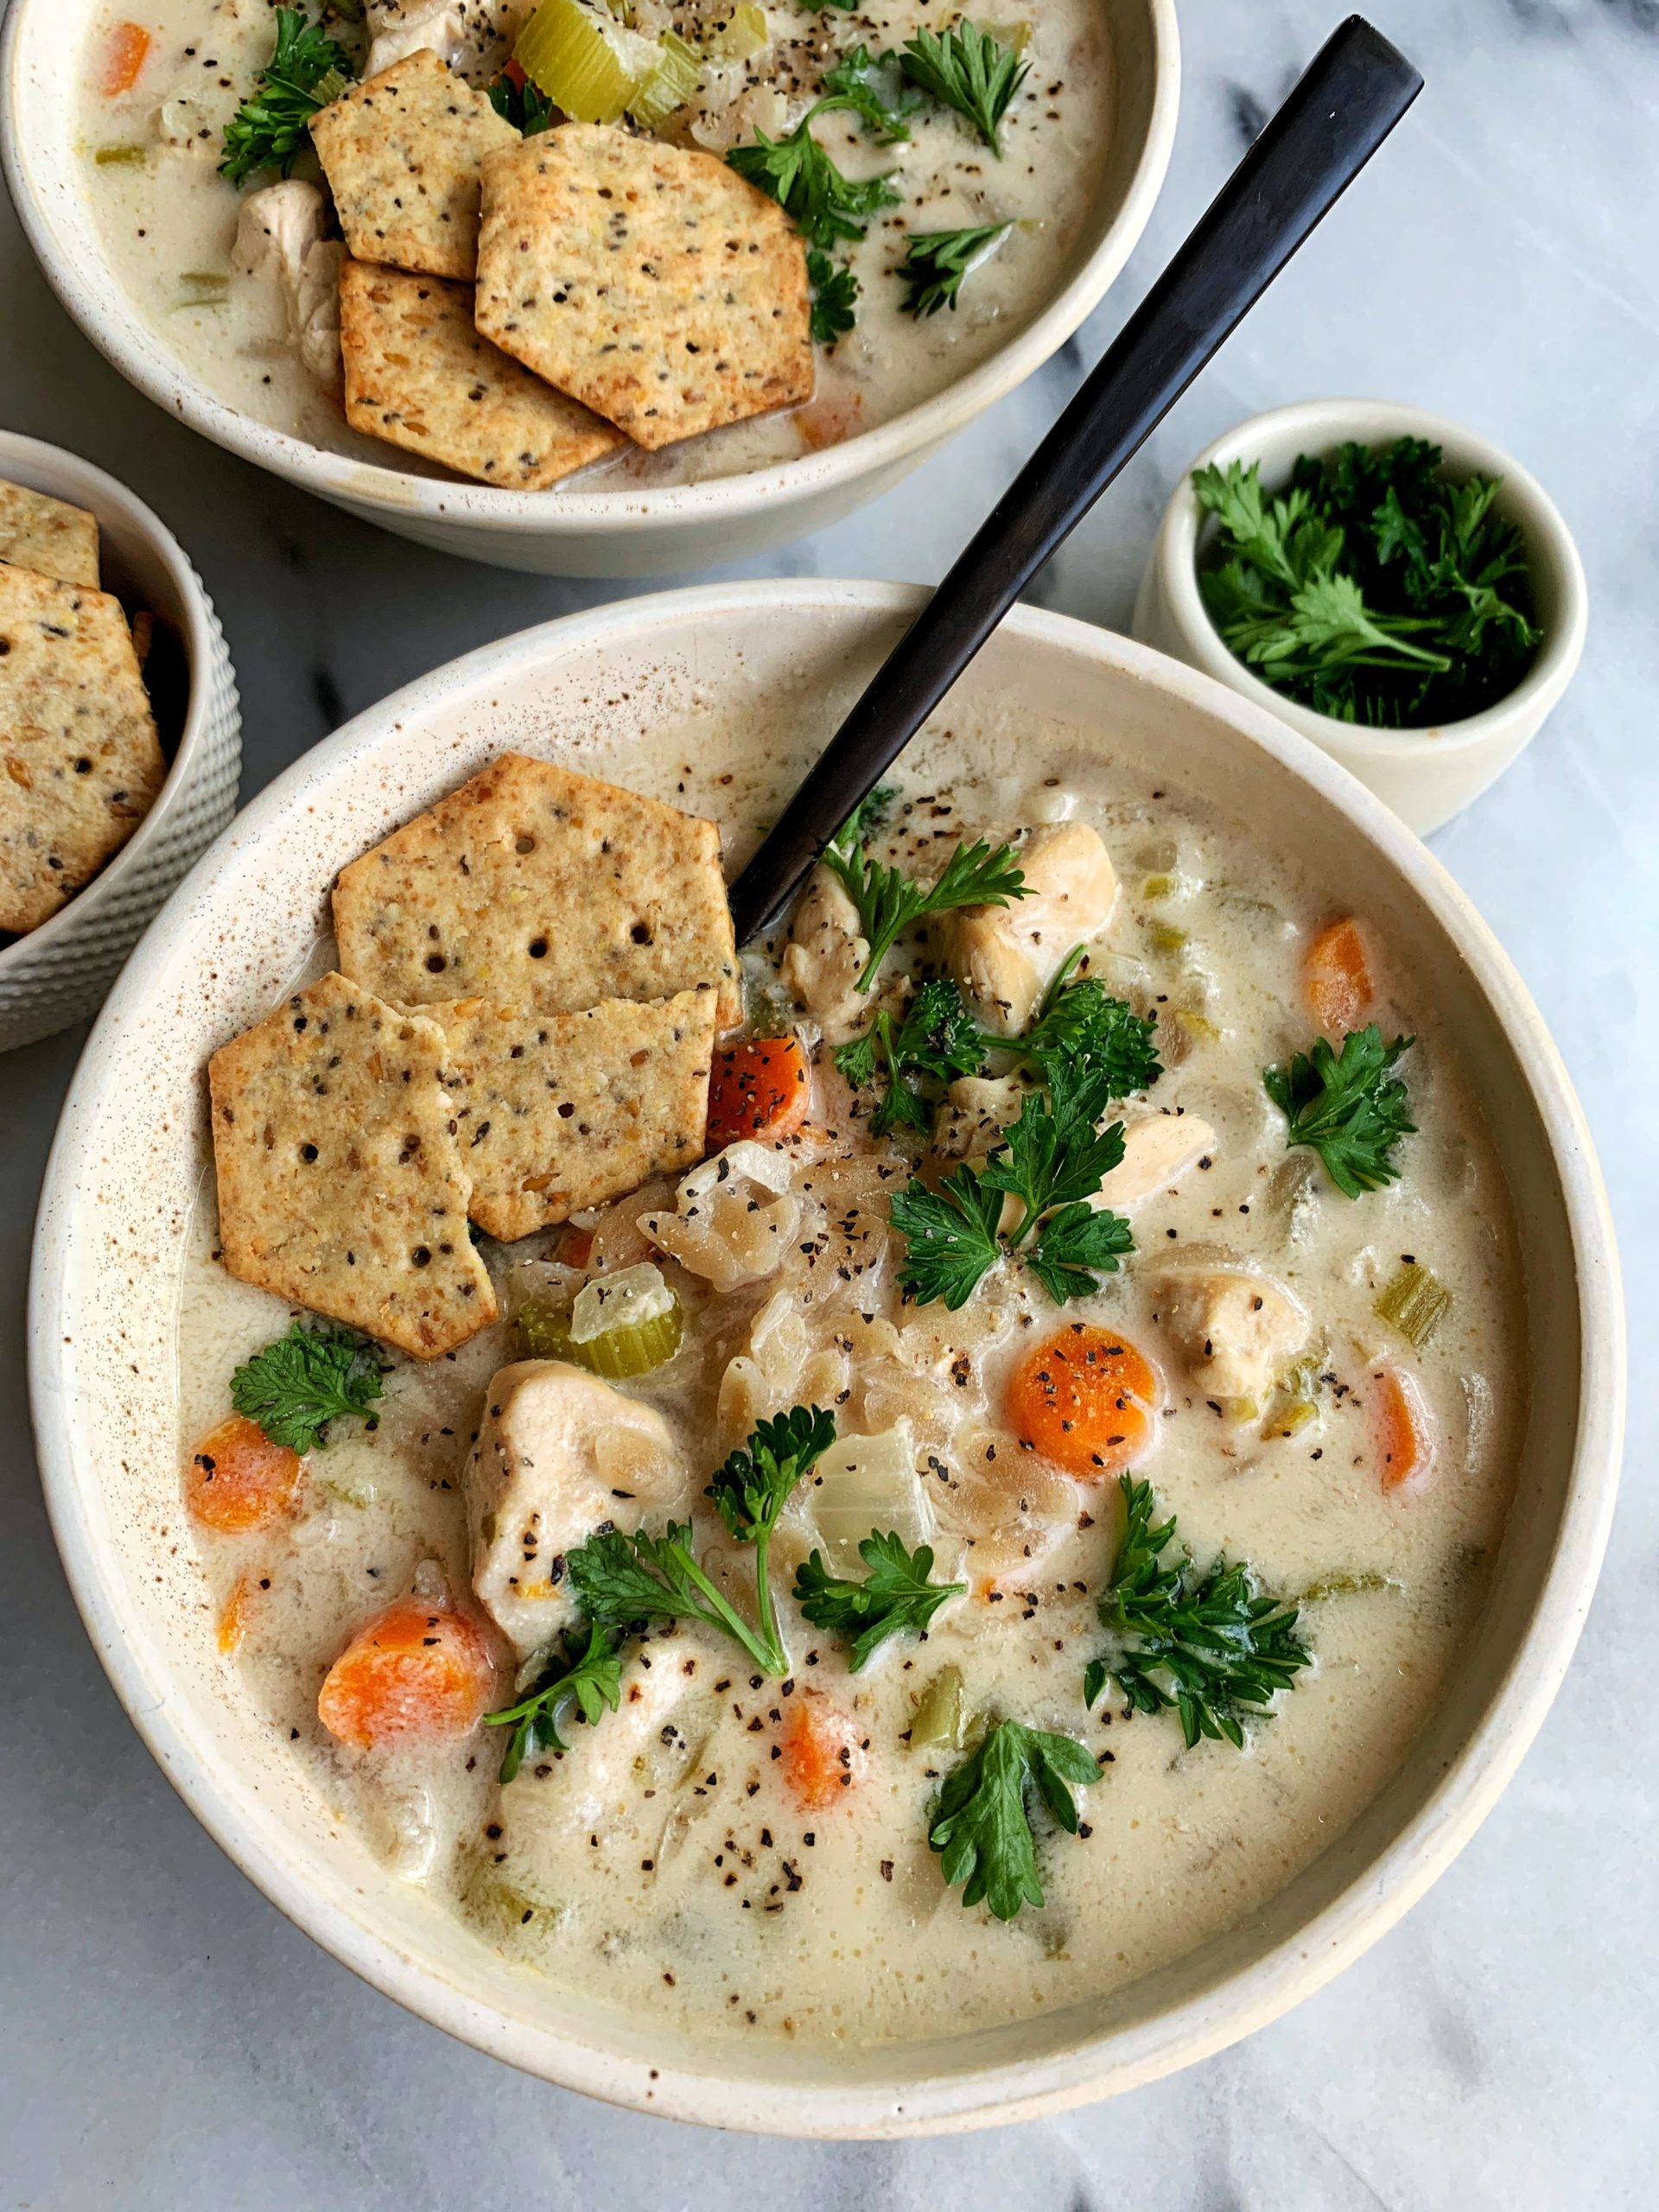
<point>531,978</point>
<point>80,763</point>
<point>517,308</point>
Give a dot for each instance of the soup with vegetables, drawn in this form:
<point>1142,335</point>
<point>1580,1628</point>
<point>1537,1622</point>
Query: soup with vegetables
<point>970,1437</point>
<point>644,243</point>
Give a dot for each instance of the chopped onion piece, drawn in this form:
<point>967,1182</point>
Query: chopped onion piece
<point>761,1163</point>
<point>608,1303</point>
<point>869,1483</point>
<point>748,32</point>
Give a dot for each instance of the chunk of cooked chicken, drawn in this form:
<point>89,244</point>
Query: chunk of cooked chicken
<point>825,956</point>
<point>560,1453</point>
<point>1157,1148</point>
<point>471,36</point>
<point>1236,1329</point>
<point>1005,958</point>
<point>316,310</point>
<point>977,1108</point>
<point>280,241</point>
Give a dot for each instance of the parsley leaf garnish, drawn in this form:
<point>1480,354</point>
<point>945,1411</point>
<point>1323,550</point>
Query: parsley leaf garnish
<point>296,1387</point>
<point>307,70</point>
<point>835,290</point>
<point>889,901</point>
<point>1370,589</point>
<point>1054,1160</point>
<point>622,1581</point>
<point>1082,1023</point>
<point>938,1037</point>
<point>981,1827</point>
<point>969,71</point>
<point>802,178</point>
<point>895,1595</point>
<point>936,262</point>
<point>519,101</point>
<point>876,87</point>
<point>1348,1106</point>
<point>592,1677</point>
<point>1221,1646</point>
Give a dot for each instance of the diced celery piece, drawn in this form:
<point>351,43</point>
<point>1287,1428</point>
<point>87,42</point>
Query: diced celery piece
<point>121,158</point>
<point>1346,1586</point>
<point>746,33</point>
<point>584,60</point>
<point>631,1348</point>
<point>1415,1303</point>
<point>1158,887</point>
<point>623,1300</point>
<point>1164,936</point>
<point>671,85</point>
<point>941,1716</point>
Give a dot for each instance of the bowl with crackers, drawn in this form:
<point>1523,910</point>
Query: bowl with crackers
<point>119,724</point>
<point>562,295</point>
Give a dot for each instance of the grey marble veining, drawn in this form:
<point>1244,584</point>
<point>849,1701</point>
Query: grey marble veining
<point>168,2041</point>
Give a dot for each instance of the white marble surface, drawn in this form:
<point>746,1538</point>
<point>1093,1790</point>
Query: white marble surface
<point>168,2042</point>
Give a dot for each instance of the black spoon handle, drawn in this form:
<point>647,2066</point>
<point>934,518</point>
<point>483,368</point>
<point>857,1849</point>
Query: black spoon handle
<point>1351,95</point>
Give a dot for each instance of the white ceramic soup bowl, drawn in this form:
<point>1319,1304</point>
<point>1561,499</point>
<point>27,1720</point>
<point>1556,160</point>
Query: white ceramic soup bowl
<point>1425,775</point>
<point>127,1167</point>
<point>576,532</point>
<point>59,973</point>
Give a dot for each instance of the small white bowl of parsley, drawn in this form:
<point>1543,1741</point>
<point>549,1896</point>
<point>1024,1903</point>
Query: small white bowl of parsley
<point>1389,584</point>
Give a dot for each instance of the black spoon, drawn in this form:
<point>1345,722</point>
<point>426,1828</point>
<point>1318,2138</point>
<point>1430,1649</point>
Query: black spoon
<point>1351,95</point>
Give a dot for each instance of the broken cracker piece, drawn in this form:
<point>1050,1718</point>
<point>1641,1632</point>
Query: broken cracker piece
<point>536,887</point>
<point>402,153</point>
<point>418,375</point>
<point>48,535</point>
<point>341,1187</point>
<point>558,1111</point>
<point>79,762</point>
<point>652,282</point>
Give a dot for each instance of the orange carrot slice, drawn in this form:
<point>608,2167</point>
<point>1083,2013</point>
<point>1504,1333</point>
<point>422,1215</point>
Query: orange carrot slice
<point>124,56</point>
<point>233,1621</point>
<point>239,1480</point>
<point>1336,977</point>
<point>757,1088</point>
<point>1406,1445</point>
<point>1086,1399</point>
<point>823,1752</point>
<point>415,1672</point>
<point>576,1246</point>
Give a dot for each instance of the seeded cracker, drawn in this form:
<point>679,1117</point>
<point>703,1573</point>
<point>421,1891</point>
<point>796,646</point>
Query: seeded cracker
<point>418,375</point>
<point>651,283</point>
<point>79,763</point>
<point>558,1111</point>
<point>48,535</point>
<point>535,887</point>
<point>402,155</point>
<point>341,1183</point>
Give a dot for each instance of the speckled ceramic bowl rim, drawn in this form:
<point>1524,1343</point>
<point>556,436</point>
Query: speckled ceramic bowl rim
<point>1322,424</point>
<point>103,314</point>
<point>1237,2001</point>
<point>66,476</point>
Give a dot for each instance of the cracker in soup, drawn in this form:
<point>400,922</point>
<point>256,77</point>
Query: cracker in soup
<point>80,763</point>
<point>48,535</point>
<point>341,1185</point>
<point>401,153</point>
<point>540,888</point>
<point>652,282</point>
<point>558,1111</point>
<point>418,375</point>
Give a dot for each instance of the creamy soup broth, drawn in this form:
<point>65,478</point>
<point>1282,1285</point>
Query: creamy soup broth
<point>165,216</point>
<point>664,1863</point>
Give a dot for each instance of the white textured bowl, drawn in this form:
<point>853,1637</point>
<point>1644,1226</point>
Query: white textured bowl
<point>126,1169</point>
<point>593,533</point>
<point>59,973</point>
<point>1426,776</point>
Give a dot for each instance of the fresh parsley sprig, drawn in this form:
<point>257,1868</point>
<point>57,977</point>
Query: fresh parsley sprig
<point>1052,1160</point>
<point>981,1827</point>
<point>1207,1645</point>
<point>822,203</point>
<point>875,85</point>
<point>889,901</point>
<point>1370,589</point>
<point>313,1375</point>
<point>519,101</point>
<point>307,70</point>
<point>755,1483</point>
<point>835,297</point>
<point>1080,1024</point>
<point>936,262</point>
<point>938,1036</point>
<point>590,1678</point>
<point>1348,1106</point>
<point>896,1595</point>
<point>968,70</point>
